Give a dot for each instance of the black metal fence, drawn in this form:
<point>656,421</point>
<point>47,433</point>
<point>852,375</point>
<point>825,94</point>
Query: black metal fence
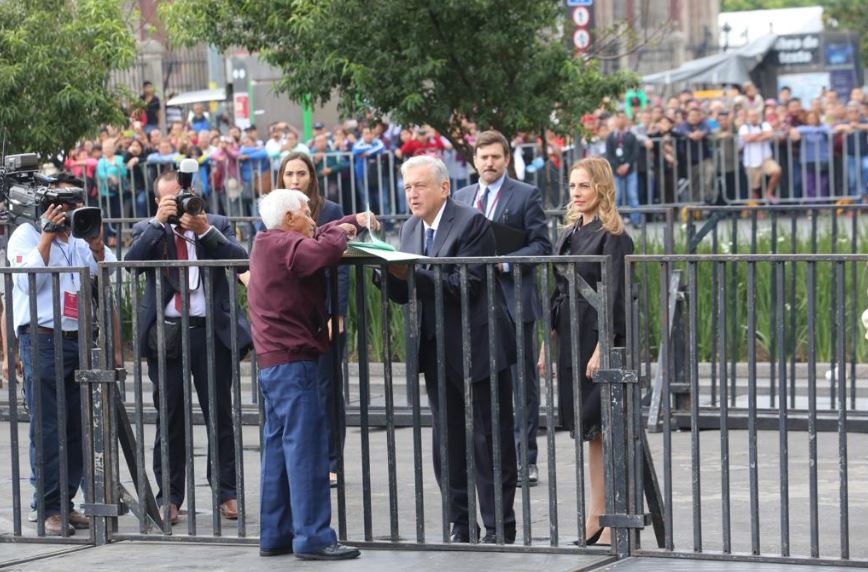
<point>386,494</point>
<point>767,388</point>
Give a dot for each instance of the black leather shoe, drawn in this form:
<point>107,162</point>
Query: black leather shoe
<point>334,552</point>
<point>491,537</point>
<point>459,535</point>
<point>276,551</point>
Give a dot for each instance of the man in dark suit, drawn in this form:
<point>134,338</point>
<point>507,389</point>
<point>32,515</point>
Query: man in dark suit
<point>506,201</point>
<point>442,228</point>
<point>194,237</point>
<point>622,151</point>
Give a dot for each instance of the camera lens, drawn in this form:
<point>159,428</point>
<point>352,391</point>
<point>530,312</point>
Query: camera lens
<point>192,205</point>
<point>85,222</point>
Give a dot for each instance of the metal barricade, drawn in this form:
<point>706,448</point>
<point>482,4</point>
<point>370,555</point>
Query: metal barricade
<point>58,412</point>
<point>122,475</point>
<point>771,417</point>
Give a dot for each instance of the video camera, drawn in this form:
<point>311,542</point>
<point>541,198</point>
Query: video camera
<point>29,194</point>
<point>187,201</point>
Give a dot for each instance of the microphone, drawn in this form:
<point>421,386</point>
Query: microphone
<point>186,172</point>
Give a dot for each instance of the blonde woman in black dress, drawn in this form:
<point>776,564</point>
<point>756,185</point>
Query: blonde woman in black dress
<point>592,226</point>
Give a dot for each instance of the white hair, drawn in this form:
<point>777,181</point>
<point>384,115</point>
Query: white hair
<point>274,205</point>
<point>437,166</point>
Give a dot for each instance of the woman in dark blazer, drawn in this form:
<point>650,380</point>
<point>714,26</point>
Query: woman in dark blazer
<point>592,226</point>
<point>298,172</point>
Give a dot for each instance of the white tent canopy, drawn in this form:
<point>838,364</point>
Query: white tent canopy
<point>201,96</point>
<point>729,67</point>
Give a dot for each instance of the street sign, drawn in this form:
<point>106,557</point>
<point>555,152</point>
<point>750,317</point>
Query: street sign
<point>571,3</point>
<point>241,110</point>
<point>582,16</point>
<point>581,39</point>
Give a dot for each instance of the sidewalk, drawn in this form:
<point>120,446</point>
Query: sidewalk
<point>231,558</point>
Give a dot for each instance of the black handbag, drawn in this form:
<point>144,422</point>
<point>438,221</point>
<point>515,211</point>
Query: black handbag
<point>171,339</point>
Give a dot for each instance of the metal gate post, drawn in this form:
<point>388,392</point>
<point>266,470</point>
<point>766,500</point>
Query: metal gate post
<point>103,508</point>
<point>620,519</point>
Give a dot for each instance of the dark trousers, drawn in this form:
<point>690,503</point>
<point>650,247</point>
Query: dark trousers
<point>48,430</point>
<point>174,384</point>
<point>329,376</point>
<point>483,448</point>
<point>295,505</point>
<point>531,397</point>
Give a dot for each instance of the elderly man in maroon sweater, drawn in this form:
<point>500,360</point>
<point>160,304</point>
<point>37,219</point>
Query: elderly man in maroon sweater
<point>286,296</point>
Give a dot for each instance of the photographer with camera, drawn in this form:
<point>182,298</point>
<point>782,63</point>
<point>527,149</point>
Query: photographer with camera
<point>181,230</point>
<point>59,243</point>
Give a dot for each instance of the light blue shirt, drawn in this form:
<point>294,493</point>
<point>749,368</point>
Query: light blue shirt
<point>23,253</point>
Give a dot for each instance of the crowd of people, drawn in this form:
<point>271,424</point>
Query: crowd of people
<point>740,146</point>
<point>643,152</point>
<point>296,333</point>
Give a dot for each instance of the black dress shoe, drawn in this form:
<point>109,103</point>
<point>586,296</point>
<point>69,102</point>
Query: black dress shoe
<point>491,537</point>
<point>334,552</point>
<point>275,551</point>
<point>459,535</point>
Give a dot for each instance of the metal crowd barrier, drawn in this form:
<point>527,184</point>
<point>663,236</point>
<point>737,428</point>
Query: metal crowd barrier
<point>799,399</point>
<point>797,492</point>
<point>73,410</point>
<point>121,476</point>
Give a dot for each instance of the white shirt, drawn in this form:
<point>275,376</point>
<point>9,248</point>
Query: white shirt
<point>756,152</point>
<point>493,195</point>
<point>194,280</point>
<point>22,252</point>
<point>433,225</point>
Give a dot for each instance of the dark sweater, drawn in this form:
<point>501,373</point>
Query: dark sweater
<point>286,295</point>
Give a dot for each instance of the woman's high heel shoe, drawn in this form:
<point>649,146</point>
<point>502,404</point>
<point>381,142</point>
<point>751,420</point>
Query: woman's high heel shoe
<point>593,539</point>
<point>596,536</point>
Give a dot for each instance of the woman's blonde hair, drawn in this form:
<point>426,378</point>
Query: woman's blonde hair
<point>600,171</point>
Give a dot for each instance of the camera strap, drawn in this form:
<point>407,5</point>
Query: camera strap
<point>70,298</point>
<point>67,257</point>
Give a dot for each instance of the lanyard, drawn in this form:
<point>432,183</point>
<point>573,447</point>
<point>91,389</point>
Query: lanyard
<point>68,259</point>
<point>489,211</point>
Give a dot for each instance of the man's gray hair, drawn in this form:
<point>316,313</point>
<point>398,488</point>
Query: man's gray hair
<point>274,205</point>
<point>438,167</point>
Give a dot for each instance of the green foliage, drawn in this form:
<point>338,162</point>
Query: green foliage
<point>501,63</point>
<point>794,285</point>
<point>740,5</point>
<point>55,60</point>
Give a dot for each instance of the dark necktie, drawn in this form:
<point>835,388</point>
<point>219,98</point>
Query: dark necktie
<point>483,202</point>
<point>181,254</point>
<point>429,240</point>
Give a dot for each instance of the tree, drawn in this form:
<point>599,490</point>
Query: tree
<point>55,60</point>
<point>740,5</point>
<point>504,64</point>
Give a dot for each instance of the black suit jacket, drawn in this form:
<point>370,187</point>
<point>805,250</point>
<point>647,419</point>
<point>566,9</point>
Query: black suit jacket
<point>462,232</point>
<point>520,206</point>
<point>150,243</point>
